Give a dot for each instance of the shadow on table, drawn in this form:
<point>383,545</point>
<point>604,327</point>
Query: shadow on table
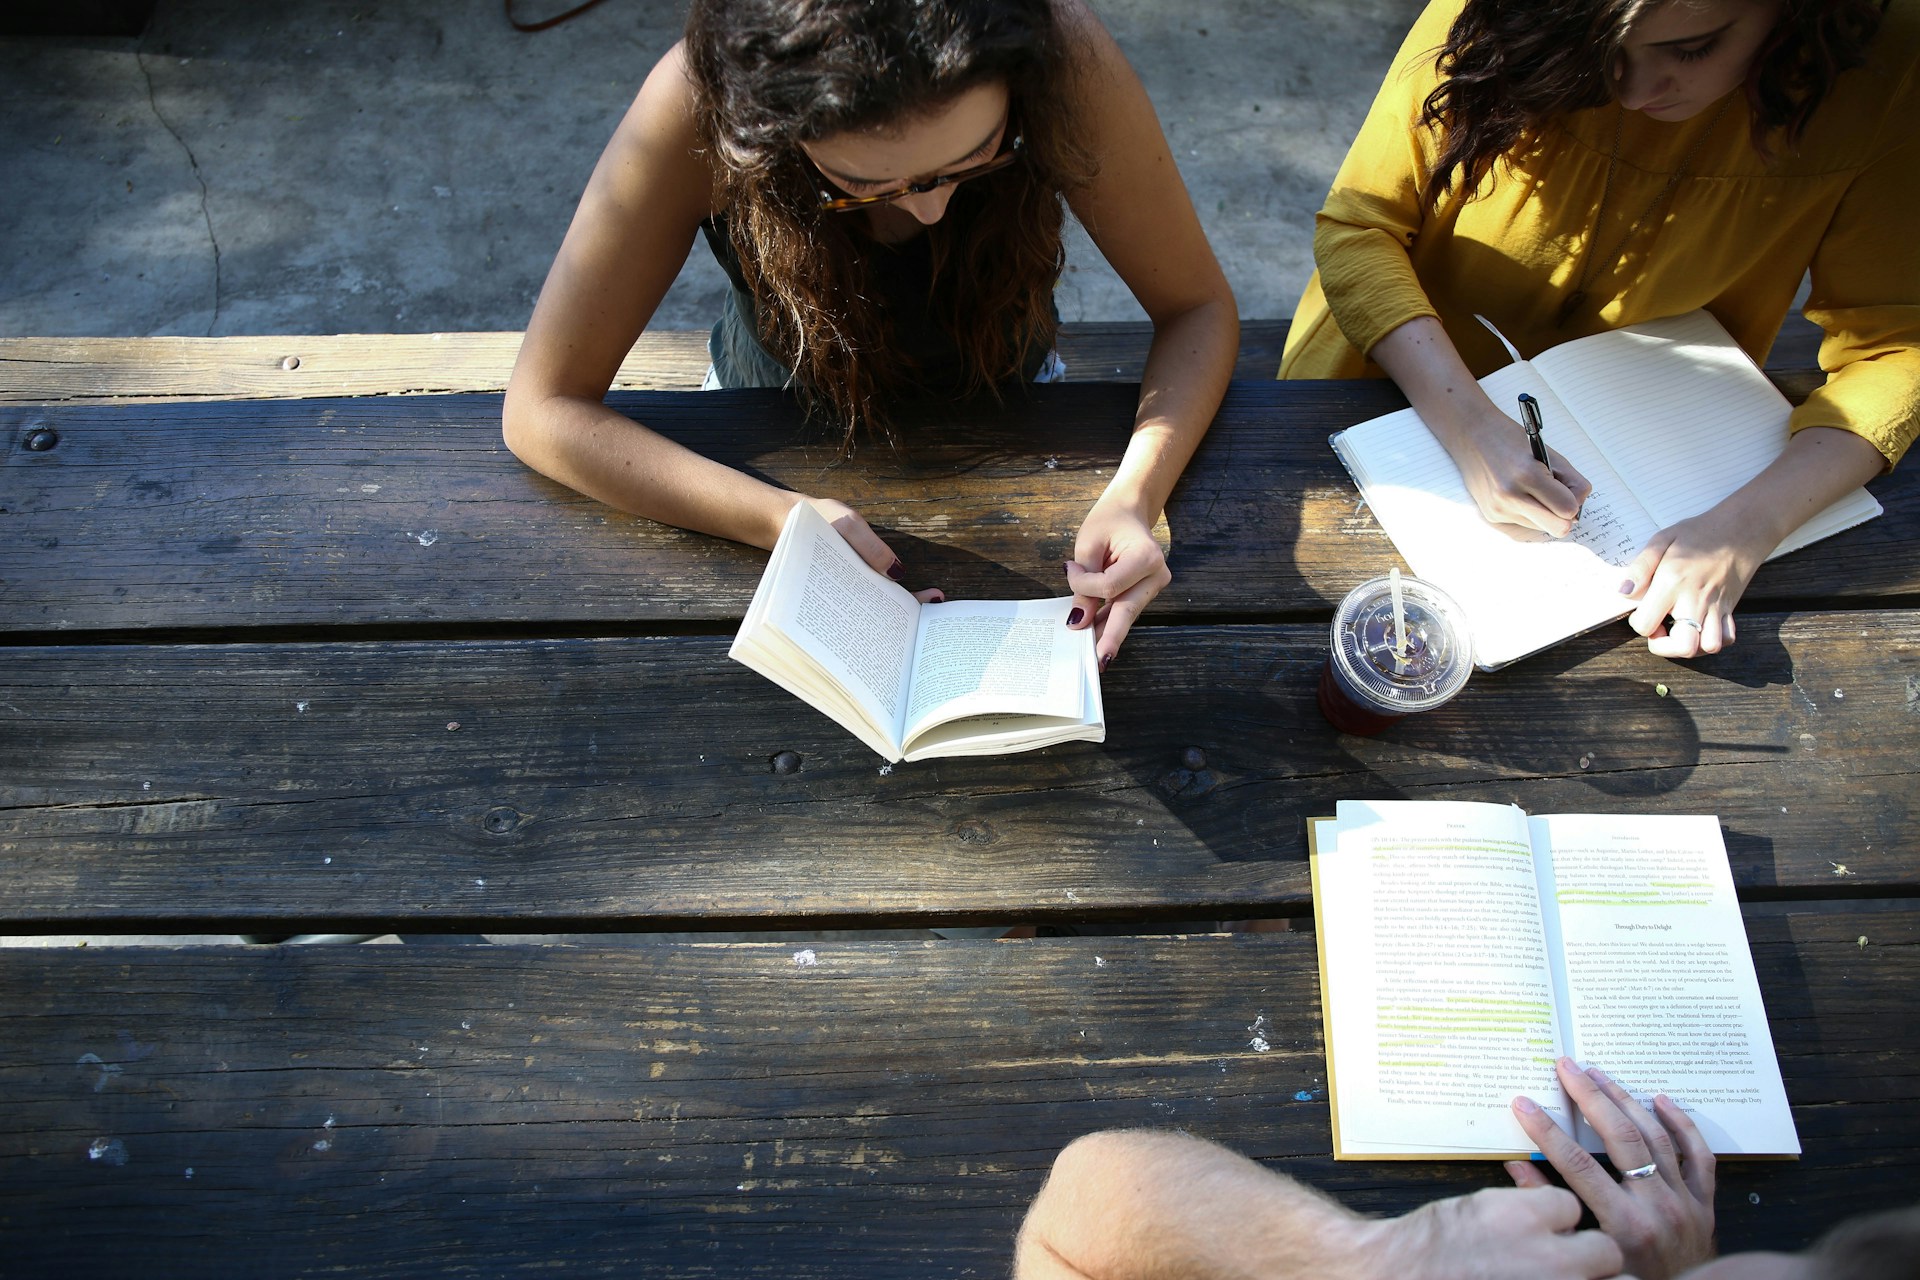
<point>1236,750</point>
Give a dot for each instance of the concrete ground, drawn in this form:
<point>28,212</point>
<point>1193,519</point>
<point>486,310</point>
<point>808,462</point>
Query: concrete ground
<point>339,166</point>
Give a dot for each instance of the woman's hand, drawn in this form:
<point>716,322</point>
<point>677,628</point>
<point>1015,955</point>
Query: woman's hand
<point>1663,1220</point>
<point>1116,570</point>
<point>1694,573</point>
<point>1511,487</point>
<point>861,537</point>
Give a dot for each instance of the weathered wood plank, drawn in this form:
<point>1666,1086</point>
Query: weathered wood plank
<point>407,510</point>
<point>627,783</point>
<point>53,370</point>
<point>289,366</point>
<point>712,1110</point>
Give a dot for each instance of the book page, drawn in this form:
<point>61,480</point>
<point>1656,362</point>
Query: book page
<point>1660,984</point>
<point>1683,414</point>
<point>995,657</point>
<point>999,734</point>
<point>1519,596</point>
<point>1439,997</point>
<point>856,624</point>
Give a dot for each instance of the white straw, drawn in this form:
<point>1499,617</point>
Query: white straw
<point>1399,618</point>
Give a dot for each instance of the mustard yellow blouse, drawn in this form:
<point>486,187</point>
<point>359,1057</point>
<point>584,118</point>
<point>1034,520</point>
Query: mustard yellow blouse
<point>1736,237</point>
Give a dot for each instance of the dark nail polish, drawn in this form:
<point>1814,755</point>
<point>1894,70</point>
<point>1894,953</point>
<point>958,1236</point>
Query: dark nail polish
<point>1105,658</point>
<point>1073,619</point>
<point>1066,566</point>
<point>895,570</point>
<point>1626,588</point>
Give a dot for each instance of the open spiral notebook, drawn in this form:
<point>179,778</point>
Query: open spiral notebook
<point>1666,418</point>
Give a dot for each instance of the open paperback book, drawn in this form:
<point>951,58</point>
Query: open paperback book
<point>1665,418</point>
<point>912,680</point>
<point>1465,947</point>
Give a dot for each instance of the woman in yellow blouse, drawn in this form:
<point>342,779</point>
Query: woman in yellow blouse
<point>1573,166</point>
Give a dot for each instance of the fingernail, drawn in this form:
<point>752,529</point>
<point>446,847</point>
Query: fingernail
<point>1626,588</point>
<point>895,570</point>
<point>938,597</point>
<point>1525,1105</point>
<point>1596,1074</point>
<point>1073,618</point>
<point>1105,658</point>
<point>1066,566</point>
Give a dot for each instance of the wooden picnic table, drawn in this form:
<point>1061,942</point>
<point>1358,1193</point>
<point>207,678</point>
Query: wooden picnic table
<point>300,665</point>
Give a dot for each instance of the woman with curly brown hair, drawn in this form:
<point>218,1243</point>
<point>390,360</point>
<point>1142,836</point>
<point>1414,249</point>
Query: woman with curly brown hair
<point>1572,166</point>
<point>885,183</point>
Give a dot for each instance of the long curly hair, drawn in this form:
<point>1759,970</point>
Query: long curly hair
<point>1507,70</point>
<point>770,74</point>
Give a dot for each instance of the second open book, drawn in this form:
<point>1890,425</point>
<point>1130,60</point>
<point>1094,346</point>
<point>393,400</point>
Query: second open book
<point>1665,418</point>
<point>912,680</point>
<point>1465,947</point>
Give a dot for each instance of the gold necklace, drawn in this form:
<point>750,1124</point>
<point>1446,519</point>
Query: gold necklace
<point>1590,264</point>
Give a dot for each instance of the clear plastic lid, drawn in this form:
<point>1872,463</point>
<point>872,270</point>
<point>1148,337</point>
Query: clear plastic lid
<point>1433,666</point>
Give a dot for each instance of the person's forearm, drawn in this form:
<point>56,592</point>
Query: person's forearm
<point>1187,371</point>
<point>1423,362</point>
<point>1819,466</point>
<point>1151,1205</point>
<point>606,455</point>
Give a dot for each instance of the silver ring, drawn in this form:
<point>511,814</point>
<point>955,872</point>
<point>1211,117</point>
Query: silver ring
<point>1684,622</point>
<point>1644,1171</point>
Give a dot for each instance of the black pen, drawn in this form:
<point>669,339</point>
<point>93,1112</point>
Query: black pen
<point>1530,415</point>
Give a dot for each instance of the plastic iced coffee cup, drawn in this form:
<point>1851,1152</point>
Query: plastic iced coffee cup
<point>1371,677</point>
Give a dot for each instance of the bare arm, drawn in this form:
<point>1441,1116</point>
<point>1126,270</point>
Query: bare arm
<point>1698,569</point>
<point>1139,214</point>
<point>628,240</point>
<point>1148,1205</point>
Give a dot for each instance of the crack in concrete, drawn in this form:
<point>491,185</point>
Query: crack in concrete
<point>140,59</point>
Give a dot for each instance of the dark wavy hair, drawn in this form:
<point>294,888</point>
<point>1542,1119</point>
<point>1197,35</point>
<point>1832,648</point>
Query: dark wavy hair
<point>770,74</point>
<point>1509,69</point>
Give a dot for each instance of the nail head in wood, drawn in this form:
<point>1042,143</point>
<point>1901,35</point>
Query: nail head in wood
<point>786,762</point>
<point>1193,758</point>
<point>290,363</point>
<point>41,439</point>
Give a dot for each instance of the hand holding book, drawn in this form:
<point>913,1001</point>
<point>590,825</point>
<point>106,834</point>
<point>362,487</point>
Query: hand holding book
<point>910,677</point>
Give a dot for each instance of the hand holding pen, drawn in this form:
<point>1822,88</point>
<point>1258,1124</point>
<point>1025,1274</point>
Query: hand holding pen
<point>1530,419</point>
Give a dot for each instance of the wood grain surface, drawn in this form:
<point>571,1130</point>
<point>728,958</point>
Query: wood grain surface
<point>732,1110</point>
<point>395,511</point>
<point>288,367</point>
<point>530,785</point>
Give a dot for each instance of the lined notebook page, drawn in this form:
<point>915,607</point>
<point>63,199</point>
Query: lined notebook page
<point>1683,415</point>
<point>1518,596</point>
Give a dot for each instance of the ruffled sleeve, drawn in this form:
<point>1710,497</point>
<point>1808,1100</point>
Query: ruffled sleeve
<point>1374,211</point>
<point>1866,296</point>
